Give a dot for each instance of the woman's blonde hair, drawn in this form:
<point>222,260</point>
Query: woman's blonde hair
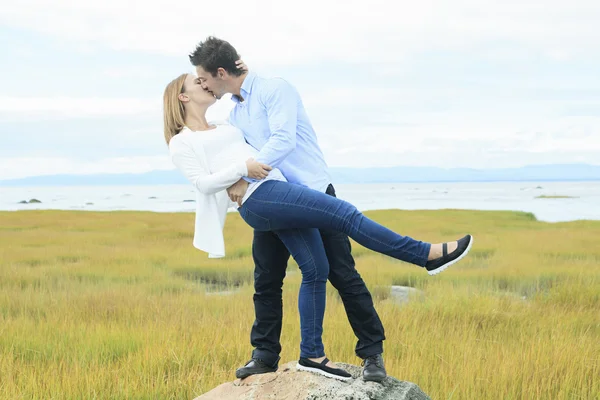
<point>174,113</point>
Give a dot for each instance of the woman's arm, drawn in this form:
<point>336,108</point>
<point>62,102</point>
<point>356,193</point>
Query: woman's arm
<point>186,160</point>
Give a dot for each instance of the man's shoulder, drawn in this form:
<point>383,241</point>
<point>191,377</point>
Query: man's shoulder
<point>273,83</point>
<point>274,88</point>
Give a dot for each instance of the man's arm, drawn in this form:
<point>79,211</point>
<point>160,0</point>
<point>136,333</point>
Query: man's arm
<point>280,100</point>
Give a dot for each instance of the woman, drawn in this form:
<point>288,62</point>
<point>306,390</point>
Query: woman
<point>215,156</point>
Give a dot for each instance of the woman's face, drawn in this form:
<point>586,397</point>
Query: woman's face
<point>193,90</point>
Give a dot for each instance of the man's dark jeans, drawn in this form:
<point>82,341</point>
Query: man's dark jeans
<point>270,260</point>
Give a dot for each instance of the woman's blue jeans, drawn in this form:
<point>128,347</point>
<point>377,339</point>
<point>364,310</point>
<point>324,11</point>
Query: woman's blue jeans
<point>295,213</point>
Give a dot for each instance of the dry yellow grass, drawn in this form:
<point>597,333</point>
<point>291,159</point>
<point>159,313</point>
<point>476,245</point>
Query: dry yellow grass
<point>115,306</point>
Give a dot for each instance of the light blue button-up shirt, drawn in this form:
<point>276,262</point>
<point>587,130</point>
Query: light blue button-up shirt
<point>275,123</point>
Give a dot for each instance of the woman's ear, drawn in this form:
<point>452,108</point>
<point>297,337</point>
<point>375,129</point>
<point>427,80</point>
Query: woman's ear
<point>183,97</point>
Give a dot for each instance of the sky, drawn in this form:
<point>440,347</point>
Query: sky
<point>462,83</point>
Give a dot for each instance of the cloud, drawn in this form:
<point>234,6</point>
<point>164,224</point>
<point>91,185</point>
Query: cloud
<point>445,141</point>
<point>269,32</point>
<point>15,108</point>
<point>73,107</point>
<point>410,83</point>
<point>134,72</point>
<point>20,167</point>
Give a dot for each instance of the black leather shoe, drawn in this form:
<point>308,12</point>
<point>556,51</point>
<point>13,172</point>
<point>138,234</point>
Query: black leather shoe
<point>374,370</point>
<point>254,367</point>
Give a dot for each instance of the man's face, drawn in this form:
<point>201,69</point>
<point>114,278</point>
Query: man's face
<point>213,84</point>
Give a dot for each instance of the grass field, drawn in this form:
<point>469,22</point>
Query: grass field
<point>119,305</point>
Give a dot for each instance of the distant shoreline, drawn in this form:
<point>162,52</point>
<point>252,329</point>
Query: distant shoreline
<point>551,201</point>
<point>334,182</point>
<point>345,175</point>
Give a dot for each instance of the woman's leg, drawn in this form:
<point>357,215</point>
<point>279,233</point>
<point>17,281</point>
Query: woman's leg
<point>281,205</point>
<point>306,247</point>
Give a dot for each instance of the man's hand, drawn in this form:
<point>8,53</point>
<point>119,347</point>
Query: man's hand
<point>257,170</point>
<point>237,191</point>
<point>241,65</point>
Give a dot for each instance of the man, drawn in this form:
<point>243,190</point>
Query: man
<point>271,115</point>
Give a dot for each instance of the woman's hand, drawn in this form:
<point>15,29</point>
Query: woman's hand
<point>257,170</point>
<point>241,65</point>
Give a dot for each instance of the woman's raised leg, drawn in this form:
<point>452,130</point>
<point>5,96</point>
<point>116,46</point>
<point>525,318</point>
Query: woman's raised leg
<point>281,205</point>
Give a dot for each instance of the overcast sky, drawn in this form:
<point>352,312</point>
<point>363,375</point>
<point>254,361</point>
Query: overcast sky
<point>462,83</point>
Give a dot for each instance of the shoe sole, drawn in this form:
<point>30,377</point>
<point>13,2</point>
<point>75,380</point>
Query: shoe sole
<point>321,372</point>
<point>443,267</point>
<point>376,380</point>
<point>257,373</point>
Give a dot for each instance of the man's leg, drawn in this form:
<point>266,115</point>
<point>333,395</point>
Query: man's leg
<point>270,262</point>
<point>357,300</point>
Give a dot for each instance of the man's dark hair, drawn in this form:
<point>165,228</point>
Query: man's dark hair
<point>215,53</point>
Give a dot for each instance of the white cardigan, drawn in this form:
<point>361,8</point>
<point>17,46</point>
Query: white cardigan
<point>227,154</point>
<point>212,202</point>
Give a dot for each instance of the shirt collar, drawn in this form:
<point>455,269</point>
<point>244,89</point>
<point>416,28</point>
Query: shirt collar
<point>246,88</point>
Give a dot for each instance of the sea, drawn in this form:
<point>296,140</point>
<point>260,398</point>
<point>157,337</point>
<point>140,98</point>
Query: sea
<point>580,199</point>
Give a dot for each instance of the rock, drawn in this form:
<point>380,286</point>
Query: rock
<point>32,201</point>
<point>289,384</point>
<point>152,198</point>
<point>402,294</point>
<point>189,201</point>
<point>89,204</point>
